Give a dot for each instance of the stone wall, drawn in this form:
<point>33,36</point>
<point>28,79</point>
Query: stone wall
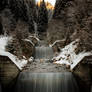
<point>83,75</point>
<point>8,72</point>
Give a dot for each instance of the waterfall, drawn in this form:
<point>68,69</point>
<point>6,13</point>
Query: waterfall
<point>43,52</point>
<point>46,82</point>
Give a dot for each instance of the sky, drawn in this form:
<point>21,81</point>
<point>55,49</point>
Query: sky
<point>51,1</point>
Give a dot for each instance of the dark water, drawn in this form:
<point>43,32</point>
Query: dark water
<point>43,52</point>
<point>46,82</point>
<point>0,88</point>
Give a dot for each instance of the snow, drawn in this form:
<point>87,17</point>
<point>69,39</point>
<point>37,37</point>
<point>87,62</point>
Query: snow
<point>79,58</point>
<point>51,45</point>
<point>31,59</point>
<point>19,63</point>
<point>68,55</point>
<point>29,41</point>
<point>35,38</point>
<point>3,42</point>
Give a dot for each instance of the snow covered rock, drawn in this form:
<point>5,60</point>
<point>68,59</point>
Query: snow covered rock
<point>31,59</point>
<point>3,42</point>
<point>68,55</point>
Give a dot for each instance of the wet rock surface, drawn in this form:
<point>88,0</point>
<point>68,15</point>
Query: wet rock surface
<point>41,66</point>
<point>8,72</point>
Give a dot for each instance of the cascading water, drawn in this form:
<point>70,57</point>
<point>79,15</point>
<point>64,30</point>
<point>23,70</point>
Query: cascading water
<point>46,82</point>
<point>43,52</point>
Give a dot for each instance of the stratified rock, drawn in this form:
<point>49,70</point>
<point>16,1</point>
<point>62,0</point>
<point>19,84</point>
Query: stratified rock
<point>8,72</point>
<point>83,74</point>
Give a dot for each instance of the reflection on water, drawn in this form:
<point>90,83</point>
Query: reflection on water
<point>46,82</point>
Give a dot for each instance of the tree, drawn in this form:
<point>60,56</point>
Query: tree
<point>3,4</point>
<point>24,10</point>
<point>19,9</point>
<point>42,17</point>
<point>7,21</point>
<point>31,12</point>
<point>59,9</point>
<point>1,27</point>
<point>65,11</point>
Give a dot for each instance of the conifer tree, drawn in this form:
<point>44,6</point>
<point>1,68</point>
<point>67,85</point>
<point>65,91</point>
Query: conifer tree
<point>42,17</point>
<point>24,10</point>
<point>31,12</point>
<point>1,27</point>
<point>3,4</point>
<point>19,9</point>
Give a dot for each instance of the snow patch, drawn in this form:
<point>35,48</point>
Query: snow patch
<point>51,45</point>
<point>31,59</point>
<point>35,38</point>
<point>68,55</point>
<point>3,42</point>
<point>29,41</point>
<point>79,58</point>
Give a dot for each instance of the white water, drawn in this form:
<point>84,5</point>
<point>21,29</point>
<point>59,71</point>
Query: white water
<point>46,82</point>
<point>43,52</point>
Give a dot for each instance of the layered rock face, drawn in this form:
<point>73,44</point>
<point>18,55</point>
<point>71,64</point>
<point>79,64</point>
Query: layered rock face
<point>8,72</point>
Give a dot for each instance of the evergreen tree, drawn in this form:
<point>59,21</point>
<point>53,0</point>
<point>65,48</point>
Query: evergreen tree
<point>19,9</point>
<point>31,12</point>
<point>25,11</point>
<point>3,4</point>
<point>59,9</point>
<point>7,21</point>
<point>42,17</point>
<point>1,27</point>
